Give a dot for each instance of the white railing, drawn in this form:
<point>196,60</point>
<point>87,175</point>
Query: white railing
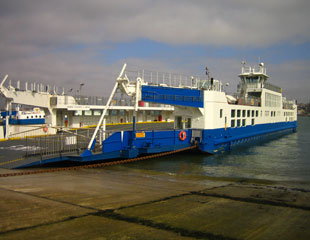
<point>253,70</point>
<point>175,80</point>
<point>289,104</point>
<point>164,78</point>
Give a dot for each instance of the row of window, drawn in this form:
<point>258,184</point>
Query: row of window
<point>113,112</point>
<point>272,113</point>
<point>245,113</point>
<point>36,116</point>
<point>288,113</point>
<point>240,122</point>
<point>254,113</point>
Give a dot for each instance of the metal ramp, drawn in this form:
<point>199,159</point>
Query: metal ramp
<point>41,150</point>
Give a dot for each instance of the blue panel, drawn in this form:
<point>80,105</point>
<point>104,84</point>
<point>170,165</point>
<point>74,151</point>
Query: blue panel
<point>154,141</point>
<point>161,139</point>
<point>31,121</point>
<point>13,113</point>
<point>26,121</point>
<point>173,96</point>
<point>112,143</point>
<point>96,157</point>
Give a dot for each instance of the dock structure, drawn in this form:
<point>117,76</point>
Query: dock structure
<point>63,111</point>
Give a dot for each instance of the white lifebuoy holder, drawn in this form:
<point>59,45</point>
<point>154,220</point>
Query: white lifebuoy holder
<point>182,135</point>
<point>45,128</point>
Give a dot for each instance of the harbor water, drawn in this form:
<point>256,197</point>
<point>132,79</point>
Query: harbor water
<point>286,159</point>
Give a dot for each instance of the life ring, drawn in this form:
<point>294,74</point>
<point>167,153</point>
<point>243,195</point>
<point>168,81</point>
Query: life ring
<point>45,128</point>
<point>182,135</point>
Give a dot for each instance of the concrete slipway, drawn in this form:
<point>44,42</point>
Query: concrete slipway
<point>121,203</point>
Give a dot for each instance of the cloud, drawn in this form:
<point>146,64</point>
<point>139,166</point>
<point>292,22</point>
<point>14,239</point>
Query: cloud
<point>61,41</point>
<point>237,23</point>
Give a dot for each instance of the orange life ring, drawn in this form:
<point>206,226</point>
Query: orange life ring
<point>45,128</point>
<point>182,135</point>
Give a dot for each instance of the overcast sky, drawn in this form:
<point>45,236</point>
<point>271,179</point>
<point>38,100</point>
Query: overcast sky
<point>66,42</point>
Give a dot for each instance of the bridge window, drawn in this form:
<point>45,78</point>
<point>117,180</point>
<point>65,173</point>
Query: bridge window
<point>221,113</point>
<point>249,113</point>
<point>256,113</point>
<point>253,121</point>
<point>243,113</point>
<point>272,100</point>
<point>238,123</point>
<point>238,113</point>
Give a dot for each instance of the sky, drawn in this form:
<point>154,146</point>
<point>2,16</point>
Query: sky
<point>68,42</point>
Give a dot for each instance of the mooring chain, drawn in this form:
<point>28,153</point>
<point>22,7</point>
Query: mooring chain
<point>96,165</point>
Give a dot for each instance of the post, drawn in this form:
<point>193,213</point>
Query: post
<point>7,119</point>
<point>87,152</point>
<point>103,129</point>
<point>133,129</point>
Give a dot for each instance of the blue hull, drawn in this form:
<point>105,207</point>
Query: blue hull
<point>210,141</point>
<point>130,145</point>
<point>221,140</point>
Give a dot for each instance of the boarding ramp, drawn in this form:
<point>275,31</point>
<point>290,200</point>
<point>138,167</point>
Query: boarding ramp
<point>36,151</point>
<point>45,149</point>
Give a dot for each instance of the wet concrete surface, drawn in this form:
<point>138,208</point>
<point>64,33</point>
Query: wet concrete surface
<point>121,203</point>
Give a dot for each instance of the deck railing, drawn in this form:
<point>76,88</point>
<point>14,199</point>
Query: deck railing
<point>55,145</point>
<point>272,87</point>
<point>64,143</point>
<point>289,104</point>
<point>248,101</point>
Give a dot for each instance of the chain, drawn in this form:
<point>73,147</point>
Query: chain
<point>97,165</point>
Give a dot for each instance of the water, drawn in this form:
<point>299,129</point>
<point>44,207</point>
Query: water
<point>283,159</point>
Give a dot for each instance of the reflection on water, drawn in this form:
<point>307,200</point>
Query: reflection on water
<point>285,158</point>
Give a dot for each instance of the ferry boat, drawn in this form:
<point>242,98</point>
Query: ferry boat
<point>21,117</point>
<point>204,116</point>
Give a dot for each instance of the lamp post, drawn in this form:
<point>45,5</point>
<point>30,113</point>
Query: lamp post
<point>81,85</point>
